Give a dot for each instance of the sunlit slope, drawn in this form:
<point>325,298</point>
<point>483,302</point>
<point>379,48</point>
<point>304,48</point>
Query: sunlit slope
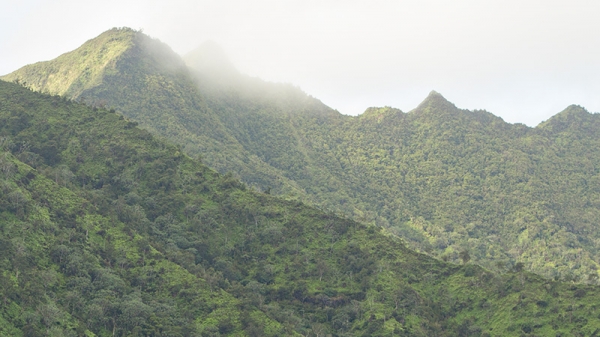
<point>109,231</point>
<point>74,72</point>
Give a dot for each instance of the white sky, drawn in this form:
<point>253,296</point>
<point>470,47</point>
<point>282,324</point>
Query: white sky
<point>523,60</point>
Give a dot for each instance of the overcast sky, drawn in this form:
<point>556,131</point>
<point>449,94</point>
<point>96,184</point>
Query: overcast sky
<point>523,60</point>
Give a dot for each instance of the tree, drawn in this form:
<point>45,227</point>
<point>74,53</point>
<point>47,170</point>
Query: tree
<point>518,267</point>
<point>593,277</point>
<point>18,200</point>
<point>500,265</point>
<point>464,256</point>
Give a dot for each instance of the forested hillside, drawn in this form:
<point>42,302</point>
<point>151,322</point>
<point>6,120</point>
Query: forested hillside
<point>108,231</point>
<point>147,82</point>
<point>448,181</point>
<point>467,181</point>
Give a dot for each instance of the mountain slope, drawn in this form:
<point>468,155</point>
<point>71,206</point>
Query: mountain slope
<point>463,180</point>
<point>446,180</point>
<point>72,73</point>
<point>109,231</point>
<point>150,84</point>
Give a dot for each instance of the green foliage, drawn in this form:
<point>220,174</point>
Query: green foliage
<point>106,230</point>
<point>445,180</point>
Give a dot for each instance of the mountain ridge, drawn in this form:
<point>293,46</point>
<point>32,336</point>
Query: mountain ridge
<point>445,179</point>
<point>117,233</point>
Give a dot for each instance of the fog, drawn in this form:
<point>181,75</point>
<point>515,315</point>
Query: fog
<point>521,60</point>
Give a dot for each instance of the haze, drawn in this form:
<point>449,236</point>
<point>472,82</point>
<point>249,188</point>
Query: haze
<point>522,60</point>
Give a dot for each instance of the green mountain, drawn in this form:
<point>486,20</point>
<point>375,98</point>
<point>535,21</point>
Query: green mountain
<point>106,230</point>
<point>446,180</point>
<point>150,84</point>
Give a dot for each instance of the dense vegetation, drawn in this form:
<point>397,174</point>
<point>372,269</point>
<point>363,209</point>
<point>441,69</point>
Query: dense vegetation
<point>460,180</point>
<point>448,181</point>
<point>108,231</point>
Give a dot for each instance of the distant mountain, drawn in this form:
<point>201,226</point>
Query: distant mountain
<point>446,180</point>
<point>106,230</point>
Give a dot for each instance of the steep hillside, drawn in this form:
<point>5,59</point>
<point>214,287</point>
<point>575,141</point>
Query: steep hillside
<point>109,231</point>
<point>147,82</point>
<point>446,180</point>
<point>452,180</point>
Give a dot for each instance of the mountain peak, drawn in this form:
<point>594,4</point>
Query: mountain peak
<point>434,100</point>
<point>72,72</point>
<point>117,32</point>
<point>380,113</point>
<point>573,117</point>
<point>434,93</point>
<point>76,71</point>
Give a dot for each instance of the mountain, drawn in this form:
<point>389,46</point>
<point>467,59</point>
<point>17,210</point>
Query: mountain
<point>150,84</point>
<point>451,180</point>
<point>106,230</point>
<point>444,179</point>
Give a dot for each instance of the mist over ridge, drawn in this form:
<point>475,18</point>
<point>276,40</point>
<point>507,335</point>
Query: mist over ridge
<point>355,55</point>
<point>210,60</point>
